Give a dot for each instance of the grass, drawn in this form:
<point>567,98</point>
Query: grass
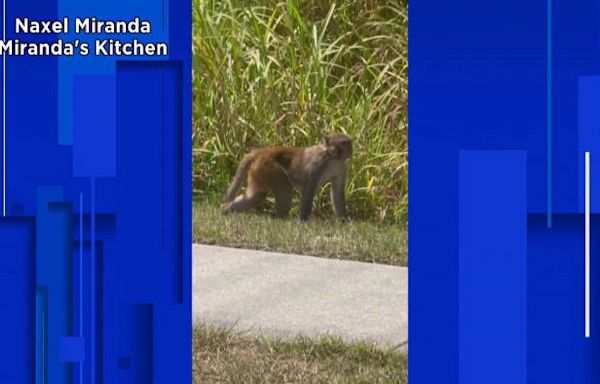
<point>290,71</point>
<point>221,356</point>
<point>353,240</point>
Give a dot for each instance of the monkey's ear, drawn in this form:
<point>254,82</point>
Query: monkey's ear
<point>325,141</point>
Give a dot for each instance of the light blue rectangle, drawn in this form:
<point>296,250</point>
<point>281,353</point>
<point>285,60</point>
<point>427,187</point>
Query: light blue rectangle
<point>589,138</point>
<point>72,349</point>
<point>492,284</point>
<point>94,126</point>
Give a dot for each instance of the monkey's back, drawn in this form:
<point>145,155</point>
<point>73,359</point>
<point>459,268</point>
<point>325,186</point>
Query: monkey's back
<point>278,164</point>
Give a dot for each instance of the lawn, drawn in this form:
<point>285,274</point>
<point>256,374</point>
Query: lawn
<point>222,356</point>
<point>321,236</point>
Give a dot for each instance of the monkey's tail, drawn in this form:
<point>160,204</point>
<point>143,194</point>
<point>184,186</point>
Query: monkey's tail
<point>238,179</point>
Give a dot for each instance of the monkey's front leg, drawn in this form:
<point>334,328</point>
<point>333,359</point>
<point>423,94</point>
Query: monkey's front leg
<point>338,199</point>
<point>309,191</point>
<point>306,202</point>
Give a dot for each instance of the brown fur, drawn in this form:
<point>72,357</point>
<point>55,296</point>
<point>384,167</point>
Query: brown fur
<point>278,170</point>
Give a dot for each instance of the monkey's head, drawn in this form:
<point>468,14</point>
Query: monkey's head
<point>338,145</point>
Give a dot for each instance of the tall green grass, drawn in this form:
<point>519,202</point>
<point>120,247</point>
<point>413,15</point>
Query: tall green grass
<point>289,72</point>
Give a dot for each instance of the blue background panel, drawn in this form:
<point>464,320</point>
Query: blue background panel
<point>489,76</point>
<point>109,247</point>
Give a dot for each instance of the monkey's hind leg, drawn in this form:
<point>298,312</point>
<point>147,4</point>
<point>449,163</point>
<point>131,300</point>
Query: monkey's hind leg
<point>283,199</point>
<point>243,202</point>
<point>270,176</point>
<point>275,180</point>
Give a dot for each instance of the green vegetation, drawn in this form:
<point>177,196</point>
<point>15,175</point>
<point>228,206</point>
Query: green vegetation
<point>290,71</point>
<point>353,240</point>
<point>221,356</point>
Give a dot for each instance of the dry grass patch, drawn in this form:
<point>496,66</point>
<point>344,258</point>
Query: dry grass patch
<point>222,356</point>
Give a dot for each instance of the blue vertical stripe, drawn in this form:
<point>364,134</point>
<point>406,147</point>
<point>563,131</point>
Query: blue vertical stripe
<point>549,114</point>
<point>41,335</point>
<point>93,280</point>
<point>81,280</point>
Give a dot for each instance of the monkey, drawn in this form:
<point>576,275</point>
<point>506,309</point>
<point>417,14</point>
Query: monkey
<point>277,170</point>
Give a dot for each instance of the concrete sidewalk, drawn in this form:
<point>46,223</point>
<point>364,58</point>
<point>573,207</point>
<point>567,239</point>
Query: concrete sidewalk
<point>283,295</point>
